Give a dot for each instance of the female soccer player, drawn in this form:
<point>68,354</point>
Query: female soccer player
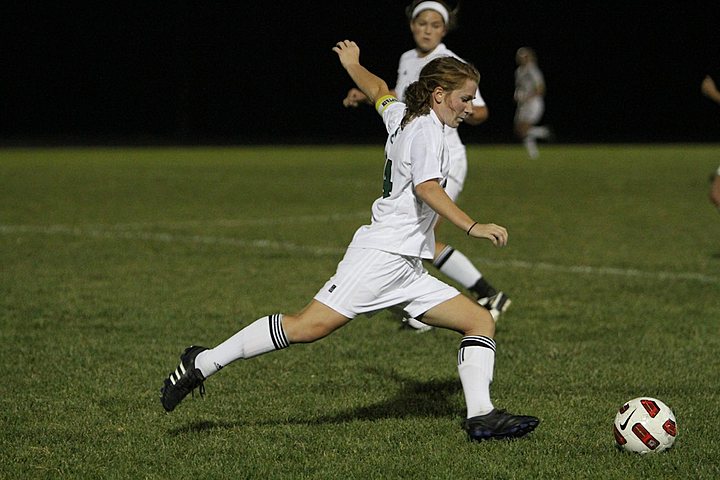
<point>382,266</point>
<point>709,89</point>
<point>530,98</point>
<point>430,22</point>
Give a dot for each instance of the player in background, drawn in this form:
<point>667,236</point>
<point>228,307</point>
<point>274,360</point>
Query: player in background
<point>709,89</point>
<point>429,23</point>
<point>530,99</point>
<point>382,266</point>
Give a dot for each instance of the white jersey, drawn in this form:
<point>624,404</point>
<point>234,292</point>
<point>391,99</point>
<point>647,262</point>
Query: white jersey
<point>528,79</point>
<point>401,222</point>
<point>409,71</point>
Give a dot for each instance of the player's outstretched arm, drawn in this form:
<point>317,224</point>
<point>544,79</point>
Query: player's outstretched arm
<point>355,97</point>
<point>370,84</point>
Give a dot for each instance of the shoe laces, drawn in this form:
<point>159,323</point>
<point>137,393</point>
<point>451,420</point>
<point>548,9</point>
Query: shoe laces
<point>190,381</point>
<point>200,389</point>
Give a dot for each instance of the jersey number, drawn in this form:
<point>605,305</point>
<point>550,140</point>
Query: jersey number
<point>387,182</point>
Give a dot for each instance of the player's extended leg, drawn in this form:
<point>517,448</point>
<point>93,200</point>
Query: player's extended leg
<point>522,129</point>
<point>476,362</point>
<point>266,334</point>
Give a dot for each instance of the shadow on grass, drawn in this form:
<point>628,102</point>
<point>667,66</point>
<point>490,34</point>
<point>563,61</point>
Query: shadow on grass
<point>414,398</point>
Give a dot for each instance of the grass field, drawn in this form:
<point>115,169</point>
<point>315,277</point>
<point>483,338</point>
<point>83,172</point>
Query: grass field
<point>114,260</point>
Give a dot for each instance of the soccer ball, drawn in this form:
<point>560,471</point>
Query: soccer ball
<point>644,425</point>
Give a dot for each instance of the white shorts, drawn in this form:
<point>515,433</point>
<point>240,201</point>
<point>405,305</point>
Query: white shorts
<point>531,111</point>
<point>368,280</point>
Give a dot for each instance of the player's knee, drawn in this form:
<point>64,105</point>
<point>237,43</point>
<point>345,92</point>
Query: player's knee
<point>482,323</point>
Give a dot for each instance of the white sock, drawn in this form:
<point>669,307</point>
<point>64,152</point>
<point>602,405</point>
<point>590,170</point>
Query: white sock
<point>458,267</point>
<point>476,361</point>
<point>531,146</point>
<point>263,335</point>
<point>539,132</point>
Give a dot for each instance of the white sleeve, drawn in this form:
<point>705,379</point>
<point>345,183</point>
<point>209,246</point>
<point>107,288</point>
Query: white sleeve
<point>424,159</point>
<point>392,111</point>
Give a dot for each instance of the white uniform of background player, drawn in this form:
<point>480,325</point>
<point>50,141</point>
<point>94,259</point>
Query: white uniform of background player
<point>530,99</point>
<point>409,71</point>
<point>710,90</point>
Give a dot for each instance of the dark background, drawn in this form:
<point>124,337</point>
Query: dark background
<point>237,72</point>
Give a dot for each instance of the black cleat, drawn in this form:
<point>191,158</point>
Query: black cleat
<point>496,304</point>
<point>498,425</point>
<point>183,380</point>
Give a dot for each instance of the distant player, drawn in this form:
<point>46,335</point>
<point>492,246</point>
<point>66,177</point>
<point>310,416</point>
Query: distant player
<point>530,100</point>
<point>709,89</point>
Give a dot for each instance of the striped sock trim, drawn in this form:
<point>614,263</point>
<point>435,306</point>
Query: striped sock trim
<point>277,334</point>
<point>479,341</point>
<point>443,257</point>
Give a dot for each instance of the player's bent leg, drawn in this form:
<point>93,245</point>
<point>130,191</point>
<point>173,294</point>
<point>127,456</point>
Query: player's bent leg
<point>314,322</point>
<point>414,323</point>
<point>521,129</point>
<point>476,363</point>
<point>462,315</point>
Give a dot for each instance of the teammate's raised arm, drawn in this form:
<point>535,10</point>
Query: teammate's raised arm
<point>371,85</point>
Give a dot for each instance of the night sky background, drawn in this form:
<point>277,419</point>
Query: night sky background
<point>237,72</point>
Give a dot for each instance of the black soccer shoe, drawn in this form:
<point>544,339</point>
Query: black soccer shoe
<point>496,304</point>
<point>498,425</point>
<point>183,380</point>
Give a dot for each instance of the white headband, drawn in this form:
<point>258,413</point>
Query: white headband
<point>437,6</point>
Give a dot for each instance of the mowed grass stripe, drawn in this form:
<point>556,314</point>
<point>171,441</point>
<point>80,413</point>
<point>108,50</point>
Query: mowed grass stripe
<point>118,233</point>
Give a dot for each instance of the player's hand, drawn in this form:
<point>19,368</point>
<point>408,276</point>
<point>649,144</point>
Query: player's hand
<point>495,233</point>
<point>348,52</point>
<point>708,85</point>
<point>354,98</point>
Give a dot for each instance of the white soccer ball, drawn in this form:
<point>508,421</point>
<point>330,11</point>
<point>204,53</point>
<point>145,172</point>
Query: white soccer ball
<point>644,425</point>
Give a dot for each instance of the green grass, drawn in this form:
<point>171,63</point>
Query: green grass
<point>113,260</point>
